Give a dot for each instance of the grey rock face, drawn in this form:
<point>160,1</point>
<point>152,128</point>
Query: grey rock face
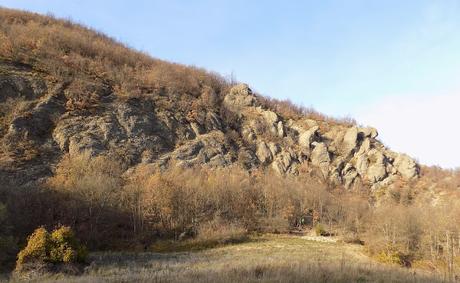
<point>280,129</point>
<point>362,164</point>
<point>274,148</point>
<point>307,137</point>
<point>349,175</point>
<point>406,166</point>
<point>350,140</point>
<point>369,132</point>
<point>213,122</point>
<point>143,130</point>
<point>377,168</point>
<point>239,96</point>
<point>264,153</point>
<point>208,149</point>
<point>14,86</point>
<point>270,117</point>
<point>283,162</point>
<point>320,154</point>
<point>320,157</point>
<point>38,122</point>
<point>132,128</point>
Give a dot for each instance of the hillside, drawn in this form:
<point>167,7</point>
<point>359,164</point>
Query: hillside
<point>133,152</point>
<point>67,89</point>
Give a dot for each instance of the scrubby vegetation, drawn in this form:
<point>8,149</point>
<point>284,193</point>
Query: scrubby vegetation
<point>291,110</point>
<point>90,63</point>
<point>64,49</point>
<point>196,208</point>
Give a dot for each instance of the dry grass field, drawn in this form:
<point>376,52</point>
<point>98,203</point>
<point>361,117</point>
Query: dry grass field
<point>268,258</point>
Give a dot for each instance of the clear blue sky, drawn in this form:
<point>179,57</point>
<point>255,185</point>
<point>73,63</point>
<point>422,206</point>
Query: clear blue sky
<point>342,57</point>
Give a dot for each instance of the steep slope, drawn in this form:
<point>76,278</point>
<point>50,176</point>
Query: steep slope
<point>66,89</point>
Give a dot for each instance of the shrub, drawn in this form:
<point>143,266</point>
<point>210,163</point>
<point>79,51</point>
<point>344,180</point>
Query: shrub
<point>395,256</point>
<point>60,246</point>
<point>38,248</point>
<point>66,247</point>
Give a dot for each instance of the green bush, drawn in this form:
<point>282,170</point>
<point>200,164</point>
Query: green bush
<point>61,246</point>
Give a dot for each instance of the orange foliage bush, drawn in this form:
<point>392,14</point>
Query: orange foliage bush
<point>60,246</point>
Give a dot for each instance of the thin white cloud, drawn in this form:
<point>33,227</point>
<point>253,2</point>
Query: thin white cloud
<point>424,126</point>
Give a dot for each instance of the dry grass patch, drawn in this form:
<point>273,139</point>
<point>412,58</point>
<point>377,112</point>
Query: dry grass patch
<point>209,235</point>
<point>269,258</point>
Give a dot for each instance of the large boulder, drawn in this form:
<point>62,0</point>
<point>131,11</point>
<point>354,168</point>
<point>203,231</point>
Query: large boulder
<point>376,171</point>
<point>369,132</point>
<point>406,166</point>
<point>307,137</point>
<point>365,147</point>
<point>272,121</point>
<point>350,140</point>
<point>240,96</point>
<point>270,117</point>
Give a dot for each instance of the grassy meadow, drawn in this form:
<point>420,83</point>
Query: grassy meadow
<point>267,258</point>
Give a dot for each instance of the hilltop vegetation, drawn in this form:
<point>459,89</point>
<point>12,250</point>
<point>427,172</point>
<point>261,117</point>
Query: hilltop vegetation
<point>139,154</point>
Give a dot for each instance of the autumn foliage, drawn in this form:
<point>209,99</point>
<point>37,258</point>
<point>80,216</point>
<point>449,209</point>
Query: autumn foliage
<point>58,247</point>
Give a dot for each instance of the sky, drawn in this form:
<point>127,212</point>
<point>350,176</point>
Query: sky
<point>390,64</point>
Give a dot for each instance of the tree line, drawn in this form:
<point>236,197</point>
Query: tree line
<point>110,209</point>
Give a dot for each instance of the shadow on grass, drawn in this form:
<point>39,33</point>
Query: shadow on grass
<point>169,250</point>
<point>194,245</point>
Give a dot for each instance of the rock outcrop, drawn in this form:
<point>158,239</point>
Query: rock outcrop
<point>157,130</point>
<point>347,155</point>
<point>239,97</point>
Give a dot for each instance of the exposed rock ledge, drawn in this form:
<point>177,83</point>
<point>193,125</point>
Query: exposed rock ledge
<point>141,132</point>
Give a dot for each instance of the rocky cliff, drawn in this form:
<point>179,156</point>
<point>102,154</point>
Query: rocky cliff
<point>188,119</point>
<point>139,130</point>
